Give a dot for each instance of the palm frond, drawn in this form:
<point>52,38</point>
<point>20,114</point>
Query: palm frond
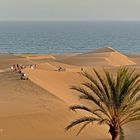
<point>130,87</point>
<point>87,96</point>
<point>102,81</point>
<point>98,103</point>
<point>81,107</point>
<point>104,112</point>
<point>136,93</point>
<point>82,128</point>
<point>132,107</point>
<point>96,91</point>
<point>81,120</point>
<point>111,85</point>
<point>93,81</point>
<point>103,121</point>
<point>137,118</point>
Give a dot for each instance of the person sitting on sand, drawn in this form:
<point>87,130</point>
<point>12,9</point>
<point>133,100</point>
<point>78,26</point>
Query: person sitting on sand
<point>12,68</point>
<point>21,66</point>
<point>60,68</point>
<point>17,66</point>
<point>82,69</point>
<point>23,76</point>
<point>33,66</point>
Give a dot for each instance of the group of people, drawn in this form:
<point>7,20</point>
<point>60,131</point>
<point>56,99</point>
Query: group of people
<point>18,69</point>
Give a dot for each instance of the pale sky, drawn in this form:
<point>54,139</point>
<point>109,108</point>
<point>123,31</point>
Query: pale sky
<point>70,10</point>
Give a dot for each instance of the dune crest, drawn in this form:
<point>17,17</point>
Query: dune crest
<point>103,50</point>
<point>100,57</point>
<point>117,59</point>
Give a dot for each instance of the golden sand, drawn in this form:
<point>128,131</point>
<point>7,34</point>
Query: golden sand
<point>37,109</point>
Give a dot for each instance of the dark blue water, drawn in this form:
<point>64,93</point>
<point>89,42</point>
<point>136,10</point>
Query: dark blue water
<point>60,37</point>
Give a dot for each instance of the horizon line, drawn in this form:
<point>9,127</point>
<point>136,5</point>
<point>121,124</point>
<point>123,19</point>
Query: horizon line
<point>69,20</point>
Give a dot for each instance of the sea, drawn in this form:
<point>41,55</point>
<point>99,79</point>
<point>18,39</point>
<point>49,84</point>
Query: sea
<point>43,37</point>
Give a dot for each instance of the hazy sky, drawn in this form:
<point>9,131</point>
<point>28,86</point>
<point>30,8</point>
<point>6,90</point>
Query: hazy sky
<point>69,9</point>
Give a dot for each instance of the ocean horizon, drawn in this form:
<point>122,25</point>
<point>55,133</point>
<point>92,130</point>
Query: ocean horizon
<point>68,37</point>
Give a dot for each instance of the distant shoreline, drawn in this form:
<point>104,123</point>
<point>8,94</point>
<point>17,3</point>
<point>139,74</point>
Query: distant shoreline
<point>65,53</point>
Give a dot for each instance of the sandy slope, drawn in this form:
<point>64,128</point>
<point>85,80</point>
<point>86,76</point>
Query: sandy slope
<point>6,60</point>
<point>101,57</point>
<point>58,83</point>
<point>30,112</point>
<point>37,109</point>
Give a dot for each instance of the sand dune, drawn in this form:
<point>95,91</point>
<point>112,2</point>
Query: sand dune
<point>101,57</point>
<point>58,83</point>
<point>117,59</point>
<point>37,109</point>
<point>6,60</point>
<point>30,112</point>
